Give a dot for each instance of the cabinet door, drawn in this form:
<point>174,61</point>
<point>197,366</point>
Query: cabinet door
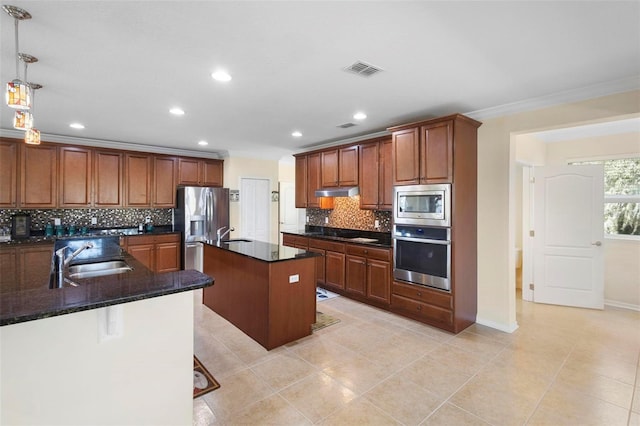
<point>74,173</point>
<point>329,166</point>
<point>301,182</point>
<point>164,181</point>
<point>8,174</point>
<point>212,172</point>
<point>348,166</point>
<point>138,182</point>
<point>34,263</point>
<point>144,253</point>
<point>188,171</point>
<point>107,179</point>
<point>320,264</point>
<point>385,176</point>
<point>356,275</point>
<point>167,257</point>
<point>406,156</point>
<point>313,179</point>
<point>369,176</point>
<point>436,160</point>
<point>379,280</point>
<point>9,267</point>
<point>334,269</point>
<point>38,176</point>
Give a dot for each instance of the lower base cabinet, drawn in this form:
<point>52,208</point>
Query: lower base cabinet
<point>160,253</point>
<point>368,273</point>
<point>423,304</point>
<point>22,267</point>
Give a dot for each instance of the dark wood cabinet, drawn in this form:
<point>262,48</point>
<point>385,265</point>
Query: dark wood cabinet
<point>330,171</point>
<point>138,180</point>
<point>368,273</point>
<point>107,179</point>
<point>406,156</point>
<point>424,304</point>
<point>376,183</point>
<point>160,253</point>
<point>8,174</point>
<point>38,176</point>
<point>164,181</point>
<point>23,267</point>
<point>296,241</point>
<point>301,181</point>
<point>334,269</point>
<point>339,167</point>
<point>75,177</point>
<point>436,158</point>
<point>200,172</point>
<point>313,180</point>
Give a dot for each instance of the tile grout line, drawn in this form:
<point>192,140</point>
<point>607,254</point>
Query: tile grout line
<point>635,389</point>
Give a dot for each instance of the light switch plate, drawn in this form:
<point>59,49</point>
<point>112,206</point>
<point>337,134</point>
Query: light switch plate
<point>57,222</point>
<point>94,220</point>
<point>294,278</point>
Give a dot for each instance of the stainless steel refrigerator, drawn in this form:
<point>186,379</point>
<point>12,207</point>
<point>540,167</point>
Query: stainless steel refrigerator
<point>199,214</point>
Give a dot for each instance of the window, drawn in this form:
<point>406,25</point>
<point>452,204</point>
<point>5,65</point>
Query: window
<point>621,195</point>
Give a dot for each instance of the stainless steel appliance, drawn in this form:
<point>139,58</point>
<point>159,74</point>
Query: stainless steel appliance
<point>422,255</point>
<point>199,214</point>
<point>425,205</point>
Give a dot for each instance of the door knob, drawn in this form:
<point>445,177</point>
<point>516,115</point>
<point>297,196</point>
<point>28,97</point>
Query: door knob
<point>597,243</point>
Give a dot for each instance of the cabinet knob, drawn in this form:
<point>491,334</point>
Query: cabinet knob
<point>419,308</point>
<point>419,294</point>
<point>366,251</point>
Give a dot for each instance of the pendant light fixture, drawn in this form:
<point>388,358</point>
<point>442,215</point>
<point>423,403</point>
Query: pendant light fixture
<point>18,92</point>
<point>23,118</point>
<point>32,136</point>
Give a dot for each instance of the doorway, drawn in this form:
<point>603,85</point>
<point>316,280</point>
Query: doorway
<point>255,208</point>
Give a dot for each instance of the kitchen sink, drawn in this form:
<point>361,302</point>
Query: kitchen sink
<point>237,240</point>
<point>362,240</point>
<point>98,269</point>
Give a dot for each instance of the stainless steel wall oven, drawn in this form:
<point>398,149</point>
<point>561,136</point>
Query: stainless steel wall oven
<point>422,255</point>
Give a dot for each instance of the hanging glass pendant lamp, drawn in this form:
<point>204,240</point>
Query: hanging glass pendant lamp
<point>18,92</point>
<point>23,119</point>
<point>32,136</point>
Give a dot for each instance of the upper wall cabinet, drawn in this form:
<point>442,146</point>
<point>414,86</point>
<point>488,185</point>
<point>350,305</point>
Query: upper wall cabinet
<point>424,152</point>
<point>165,172</point>
<point>75,177</point>
<point>339,167</point>
<point>199,172</point>
<point>8,174</point>
<point>137,187</point>
<point>108,171</point>
<point>38,176</point>
<point>376,185</point>
<point>301,182</point>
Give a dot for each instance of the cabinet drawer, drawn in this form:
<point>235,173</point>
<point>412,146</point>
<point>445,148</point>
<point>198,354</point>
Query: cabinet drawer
<point>371,253</point>
<point>326,245</point>
<point>422,310</point>
<point>294,240</point>
<point>140,239</point>
<point>432,297</point>
<point>167,238</point>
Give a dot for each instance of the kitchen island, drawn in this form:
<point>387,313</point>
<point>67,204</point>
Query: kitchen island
<point>266,290</point>
<point>114,350</point>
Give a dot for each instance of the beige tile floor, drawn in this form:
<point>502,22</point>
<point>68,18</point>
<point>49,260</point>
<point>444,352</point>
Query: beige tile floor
<point>563,366</point>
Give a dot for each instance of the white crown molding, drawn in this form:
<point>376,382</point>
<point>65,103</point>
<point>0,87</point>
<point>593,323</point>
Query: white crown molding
<point>100,143</point>
<point>575,95</point>
<point>342,142</point>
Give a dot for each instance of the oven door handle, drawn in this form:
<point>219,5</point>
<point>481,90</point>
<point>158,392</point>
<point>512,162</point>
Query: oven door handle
<point>423,240</point>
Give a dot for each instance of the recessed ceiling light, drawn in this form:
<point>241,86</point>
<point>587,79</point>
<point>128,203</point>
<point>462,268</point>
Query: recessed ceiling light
<point>296,134</point>
<point>203,143</point>
<point>176,111</point>
<point>359,116</point>
<point>220,75</point>
<point>76,126</point>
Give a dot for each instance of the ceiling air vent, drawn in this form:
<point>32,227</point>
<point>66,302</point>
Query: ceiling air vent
<point>364,69</point>
<point>346,125</point>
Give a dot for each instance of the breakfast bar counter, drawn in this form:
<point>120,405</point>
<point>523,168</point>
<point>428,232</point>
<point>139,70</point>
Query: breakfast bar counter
<point>266,290</point>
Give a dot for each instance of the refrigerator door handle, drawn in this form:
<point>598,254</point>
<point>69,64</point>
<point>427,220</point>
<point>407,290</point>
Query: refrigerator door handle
<point>207,213</point>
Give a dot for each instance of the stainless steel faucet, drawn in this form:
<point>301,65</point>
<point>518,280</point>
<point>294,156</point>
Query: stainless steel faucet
<point>219,237</point>
<point>64,262</point>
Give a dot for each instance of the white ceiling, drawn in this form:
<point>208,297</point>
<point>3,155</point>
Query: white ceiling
<point>118,66</point>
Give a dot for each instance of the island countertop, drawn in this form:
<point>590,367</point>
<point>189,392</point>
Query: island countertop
<point>34,300</point>
<point>261,250</point>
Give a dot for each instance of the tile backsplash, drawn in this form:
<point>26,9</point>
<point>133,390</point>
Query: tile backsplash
<point>106,218</point>
<point>347,214</point>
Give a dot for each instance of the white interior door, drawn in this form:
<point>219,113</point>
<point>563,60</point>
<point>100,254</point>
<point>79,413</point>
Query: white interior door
<point>569,231</point>
<point>288,213</point>
<point>255,208</point>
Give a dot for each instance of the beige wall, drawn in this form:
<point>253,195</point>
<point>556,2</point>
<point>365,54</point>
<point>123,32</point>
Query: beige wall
<point>561,153</point>
<point>239,167</point>
<point>54,371</point>
<point>497,200</point>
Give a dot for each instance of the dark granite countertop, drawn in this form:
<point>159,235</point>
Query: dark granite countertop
<point>34,300</point>
<point>260,250</point>
<point>351,236</point>
<point>38,236</point>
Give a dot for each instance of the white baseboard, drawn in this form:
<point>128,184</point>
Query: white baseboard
<point>622,305</point>
<point>498,326</point>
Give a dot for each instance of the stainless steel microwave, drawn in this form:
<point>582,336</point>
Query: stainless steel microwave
<point>428,205</point>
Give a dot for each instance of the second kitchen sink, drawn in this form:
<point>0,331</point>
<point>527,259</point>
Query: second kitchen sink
<point>90,270</point>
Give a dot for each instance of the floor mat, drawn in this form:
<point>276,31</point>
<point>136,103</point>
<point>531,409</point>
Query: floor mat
<point>323,320</point>
<point>322,294</point>
<point>203,381</point>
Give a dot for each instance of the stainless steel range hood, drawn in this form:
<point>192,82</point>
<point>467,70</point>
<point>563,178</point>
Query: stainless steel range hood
<point>338,192</point>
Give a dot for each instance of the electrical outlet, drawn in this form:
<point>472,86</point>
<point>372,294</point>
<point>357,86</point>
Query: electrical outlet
<point>94,220</point>
<point>57,222</point>
<point>147,219</point>
<point>376,224</point>
<point>307,219</point>
<point>294,278</point>
<point>326,220</point>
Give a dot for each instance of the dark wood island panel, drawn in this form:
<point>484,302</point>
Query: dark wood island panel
<point>257,296</point>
